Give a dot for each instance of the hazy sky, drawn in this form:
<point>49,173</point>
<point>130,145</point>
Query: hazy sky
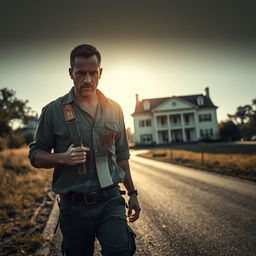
<point>154,48</point>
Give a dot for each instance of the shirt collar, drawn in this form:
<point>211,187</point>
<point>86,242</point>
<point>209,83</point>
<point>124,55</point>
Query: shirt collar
<point>103,99</point>
<point>69,97</point>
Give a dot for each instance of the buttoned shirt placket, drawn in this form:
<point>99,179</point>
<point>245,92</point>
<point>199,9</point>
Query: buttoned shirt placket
<point>101,160</point>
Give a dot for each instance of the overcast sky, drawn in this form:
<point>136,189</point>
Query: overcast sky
<point>154,48</point>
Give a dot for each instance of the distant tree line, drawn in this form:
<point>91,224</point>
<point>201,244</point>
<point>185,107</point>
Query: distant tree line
<point>13,112</point>
<point>241,124</point>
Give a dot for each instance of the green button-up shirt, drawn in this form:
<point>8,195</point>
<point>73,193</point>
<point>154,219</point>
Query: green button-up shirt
<point>105,136</point>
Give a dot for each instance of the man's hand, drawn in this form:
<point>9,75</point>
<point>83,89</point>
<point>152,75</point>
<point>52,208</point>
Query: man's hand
<point>133,204</point>
<point>74,156</point>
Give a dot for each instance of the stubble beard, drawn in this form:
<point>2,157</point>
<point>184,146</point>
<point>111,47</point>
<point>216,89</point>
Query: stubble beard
<point>86,91</point>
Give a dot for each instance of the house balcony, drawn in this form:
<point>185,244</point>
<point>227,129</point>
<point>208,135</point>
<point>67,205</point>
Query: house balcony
<point>161,122</point>
<point>188,119</point>
<point>175,125</point>
<point>162,126</point>
<point>189,124</point>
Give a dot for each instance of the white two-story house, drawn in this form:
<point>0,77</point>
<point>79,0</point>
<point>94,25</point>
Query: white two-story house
<point>175,119</point>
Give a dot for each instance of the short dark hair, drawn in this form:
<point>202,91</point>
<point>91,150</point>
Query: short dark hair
<point>84,50</point>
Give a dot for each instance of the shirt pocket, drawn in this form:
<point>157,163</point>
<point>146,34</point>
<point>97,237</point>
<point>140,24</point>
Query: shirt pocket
<point>106,137</point>
<point>112,127</point>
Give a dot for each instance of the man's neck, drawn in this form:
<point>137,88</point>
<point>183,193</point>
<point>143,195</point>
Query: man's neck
<point>87,101</point>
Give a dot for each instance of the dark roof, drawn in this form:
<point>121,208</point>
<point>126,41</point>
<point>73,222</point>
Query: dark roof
<point>192,99</point>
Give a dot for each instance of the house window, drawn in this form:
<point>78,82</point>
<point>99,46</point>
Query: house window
<point>146,138</point>
<point>146,122</point>
<point>141,123</point>
<point>206,133</point>
<point>165,136</point>
<point>200,100</point>
<point>205,117</point>
<point>162,120</point>
<point>186,117</point>
<point>146,105</point>
<point>175,119</point>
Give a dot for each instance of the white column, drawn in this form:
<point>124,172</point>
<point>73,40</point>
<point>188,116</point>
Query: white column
<point>193,132</point>
<point>155,126</point>
<point>183,128</point>
<point>169,129</point>
<point>194,117</point>
<point>197,126</point>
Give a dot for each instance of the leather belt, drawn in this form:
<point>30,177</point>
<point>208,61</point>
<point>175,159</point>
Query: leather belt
<point>93,197</point>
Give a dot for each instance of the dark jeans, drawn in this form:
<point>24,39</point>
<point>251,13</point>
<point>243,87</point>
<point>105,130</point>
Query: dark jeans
<point>81,223</point>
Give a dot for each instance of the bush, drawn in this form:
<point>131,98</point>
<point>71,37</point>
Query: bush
<point>3,143</point>
<point>15,140</point>
<point>246,131</point>
<point>29,138</point>
<point>229,131</point>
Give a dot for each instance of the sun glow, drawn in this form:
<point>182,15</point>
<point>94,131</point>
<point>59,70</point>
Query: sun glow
<point>121,83</point>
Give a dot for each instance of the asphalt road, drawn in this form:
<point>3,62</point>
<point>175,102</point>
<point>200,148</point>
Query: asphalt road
<point>191,212</point>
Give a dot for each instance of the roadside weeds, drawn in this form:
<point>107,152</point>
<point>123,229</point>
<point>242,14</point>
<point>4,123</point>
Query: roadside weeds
<point>26,201</point>
<point>237,165</point>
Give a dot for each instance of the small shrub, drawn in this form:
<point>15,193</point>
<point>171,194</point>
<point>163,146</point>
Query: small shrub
<point>24,245</point>
<point>15,140</point>
<point>3,143</point>
<point>29,138</point>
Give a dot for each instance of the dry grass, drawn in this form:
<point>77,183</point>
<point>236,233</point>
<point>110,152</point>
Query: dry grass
<point>22,187</point>
<point>240,165</point>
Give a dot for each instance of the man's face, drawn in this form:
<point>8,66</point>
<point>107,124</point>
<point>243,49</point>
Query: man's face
<point>85,74</point>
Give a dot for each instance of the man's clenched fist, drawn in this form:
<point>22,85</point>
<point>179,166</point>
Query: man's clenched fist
<point>74,156</point>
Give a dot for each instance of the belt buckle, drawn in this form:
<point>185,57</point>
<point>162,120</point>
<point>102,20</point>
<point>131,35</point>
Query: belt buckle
<point>91,194</point>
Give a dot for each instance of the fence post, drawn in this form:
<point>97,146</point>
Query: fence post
<point>202,158</point>
<point>201,145</point>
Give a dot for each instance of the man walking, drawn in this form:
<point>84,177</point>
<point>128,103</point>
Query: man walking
<point>86,132</point>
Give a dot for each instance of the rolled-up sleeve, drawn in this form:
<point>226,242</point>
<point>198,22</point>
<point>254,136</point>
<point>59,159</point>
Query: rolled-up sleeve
<point>44,135</point>
<point>121,143</point>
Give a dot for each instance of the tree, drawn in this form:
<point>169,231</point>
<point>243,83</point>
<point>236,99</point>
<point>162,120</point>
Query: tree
<point>252,120</point>
<point>11,109</point>
<point>229,130</point>
<point>254,104</point>
<point>245,119</point>
<point>130,135</point>
<point>242,113</point>
<point>252,115</point>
